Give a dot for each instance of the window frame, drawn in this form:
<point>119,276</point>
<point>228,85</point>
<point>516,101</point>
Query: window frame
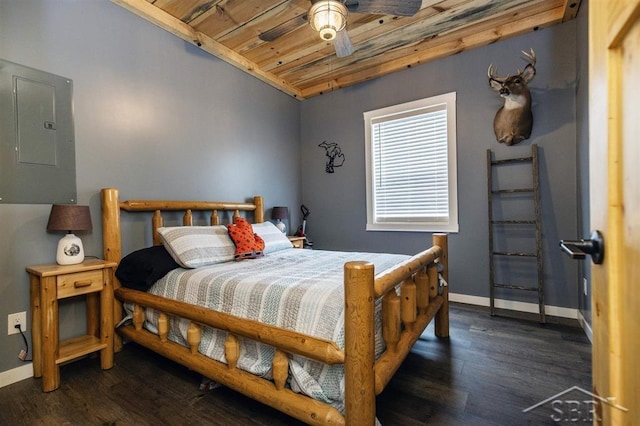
<point>402,110</point>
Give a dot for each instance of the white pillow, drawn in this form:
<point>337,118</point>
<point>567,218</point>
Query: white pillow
<point>194,246</point>
<point>274,239</point>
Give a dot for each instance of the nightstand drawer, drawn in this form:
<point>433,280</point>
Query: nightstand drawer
<point>79,283</point>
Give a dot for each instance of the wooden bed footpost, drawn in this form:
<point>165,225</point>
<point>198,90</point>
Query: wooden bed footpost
<point>360,398</point>
<point>112,243</point>
<point>442,317</point>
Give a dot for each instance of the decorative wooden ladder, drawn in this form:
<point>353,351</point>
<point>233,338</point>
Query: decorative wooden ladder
<point>495,196</point>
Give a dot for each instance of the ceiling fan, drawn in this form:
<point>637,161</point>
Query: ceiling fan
<point>329,18</point>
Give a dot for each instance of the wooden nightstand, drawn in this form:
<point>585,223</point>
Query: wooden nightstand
<point>298,242</point>
<point>49,283</point>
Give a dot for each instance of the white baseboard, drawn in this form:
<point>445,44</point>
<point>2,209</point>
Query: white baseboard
<point>15,375</point>
<point>585,326</point>
<point>555,311</point>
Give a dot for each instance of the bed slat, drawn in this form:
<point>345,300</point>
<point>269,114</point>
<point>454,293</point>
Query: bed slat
<point>187,219</point>
<point>391,325</point>
<point>432,273</point>
<point>232,350</point>
<point>138,317</point>
<point>157,222</point>
<point>163,327</point>
<point>280,369</point>
<point>194,336</point>
<point>408,303</point>
<point>422,288</point>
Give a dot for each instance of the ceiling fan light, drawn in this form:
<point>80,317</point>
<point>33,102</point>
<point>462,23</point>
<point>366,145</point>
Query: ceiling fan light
<point>327,33</point>
<point>327,18</point>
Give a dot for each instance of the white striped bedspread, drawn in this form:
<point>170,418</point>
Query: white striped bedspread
<point>295,289</point>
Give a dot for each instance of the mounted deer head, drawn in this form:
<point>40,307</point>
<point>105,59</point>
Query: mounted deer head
<point>513,122</point>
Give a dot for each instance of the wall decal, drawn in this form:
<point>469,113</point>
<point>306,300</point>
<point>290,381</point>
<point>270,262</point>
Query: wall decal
<point>335,157</point>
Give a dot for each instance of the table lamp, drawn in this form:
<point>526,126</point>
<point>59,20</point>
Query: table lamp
<point>279,214</point>
<point>69,218</point>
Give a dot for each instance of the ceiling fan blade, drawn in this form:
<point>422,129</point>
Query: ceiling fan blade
<point>342,44</point>
<point>284,28</point>
<point>385,7</point>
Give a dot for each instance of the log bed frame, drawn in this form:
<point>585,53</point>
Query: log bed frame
<point>405,317</point>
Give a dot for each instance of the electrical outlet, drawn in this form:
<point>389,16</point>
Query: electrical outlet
<point>15,319</point>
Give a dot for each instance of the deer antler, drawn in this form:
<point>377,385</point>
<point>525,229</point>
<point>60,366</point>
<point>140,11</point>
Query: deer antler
<point>491,73</point>
<point>531,57</point>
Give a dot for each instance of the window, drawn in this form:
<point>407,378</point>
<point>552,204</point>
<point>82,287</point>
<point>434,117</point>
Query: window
<point>411,166</point>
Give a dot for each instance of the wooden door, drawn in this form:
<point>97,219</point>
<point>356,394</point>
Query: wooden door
<point>614,132</point>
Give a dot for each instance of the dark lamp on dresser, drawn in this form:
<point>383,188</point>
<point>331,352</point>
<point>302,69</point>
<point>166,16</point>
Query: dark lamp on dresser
<point>279,214</point>
<point>69,218</point>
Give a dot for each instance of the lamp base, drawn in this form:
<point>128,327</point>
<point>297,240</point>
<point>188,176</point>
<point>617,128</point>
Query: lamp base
<point>70,250</point>
<point>281,226</point>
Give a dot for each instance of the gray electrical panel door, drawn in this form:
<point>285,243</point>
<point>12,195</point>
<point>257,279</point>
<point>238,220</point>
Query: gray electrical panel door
<point>37,144</point>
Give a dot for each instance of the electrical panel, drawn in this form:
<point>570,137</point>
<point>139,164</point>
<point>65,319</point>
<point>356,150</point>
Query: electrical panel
<point>37,143</point>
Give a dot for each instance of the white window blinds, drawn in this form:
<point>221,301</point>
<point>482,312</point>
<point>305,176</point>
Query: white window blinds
<point>409,167</point>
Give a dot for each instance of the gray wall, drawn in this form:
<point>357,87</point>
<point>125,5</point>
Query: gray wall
<point>337,201</point>
<point>154,116</point>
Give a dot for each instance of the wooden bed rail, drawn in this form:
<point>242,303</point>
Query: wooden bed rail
<point>150,205</point>
<point>285,400</point>
<point>390,278</point>
<point>308,346</point>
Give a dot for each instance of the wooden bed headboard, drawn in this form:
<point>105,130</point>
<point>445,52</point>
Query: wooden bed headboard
<point>111,207</point>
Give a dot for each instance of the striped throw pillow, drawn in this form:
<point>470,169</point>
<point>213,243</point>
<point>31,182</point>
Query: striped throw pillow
<point>274,239</point>
<point>195,246</point>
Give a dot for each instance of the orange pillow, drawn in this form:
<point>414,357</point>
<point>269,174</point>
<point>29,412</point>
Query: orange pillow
<point>248,244</point>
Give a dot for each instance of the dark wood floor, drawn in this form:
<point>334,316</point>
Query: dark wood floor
<point>490,370</point>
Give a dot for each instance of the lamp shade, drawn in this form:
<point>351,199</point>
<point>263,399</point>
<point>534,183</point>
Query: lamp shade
<point>327,17</point>
<point>64,217</point>
<point>280,213</point>
<point>69,218</point>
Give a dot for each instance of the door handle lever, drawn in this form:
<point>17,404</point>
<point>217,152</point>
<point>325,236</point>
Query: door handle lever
<point>580,249</point>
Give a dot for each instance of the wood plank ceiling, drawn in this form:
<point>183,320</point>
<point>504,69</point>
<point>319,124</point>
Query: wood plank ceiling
<point>302,65</point>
